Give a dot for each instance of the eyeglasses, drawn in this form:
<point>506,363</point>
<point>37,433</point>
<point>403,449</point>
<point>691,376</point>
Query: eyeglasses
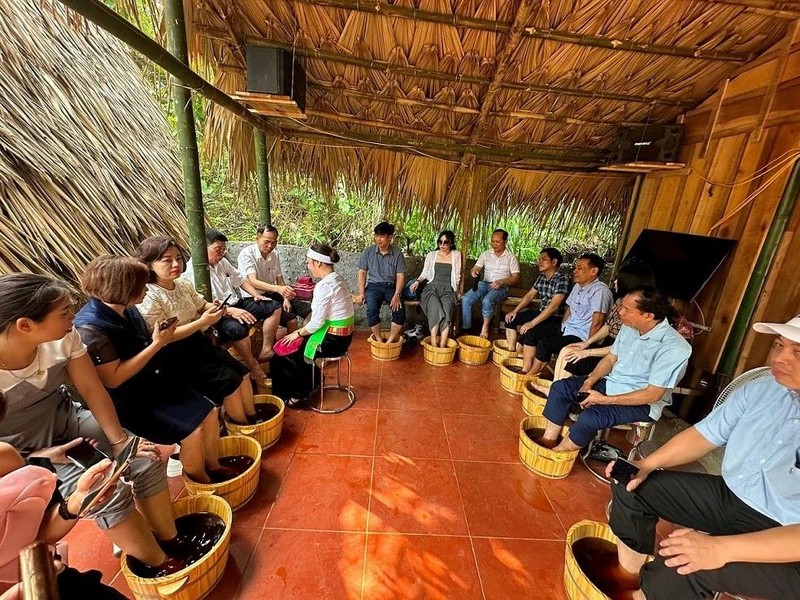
<point>219,249</point>
<point>444,242</point>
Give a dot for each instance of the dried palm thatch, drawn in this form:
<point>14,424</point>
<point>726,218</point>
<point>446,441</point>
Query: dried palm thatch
<point>472,108</point>
<point>87,166</point>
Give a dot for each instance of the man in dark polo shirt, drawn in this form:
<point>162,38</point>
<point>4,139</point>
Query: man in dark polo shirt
<point>381,277</point>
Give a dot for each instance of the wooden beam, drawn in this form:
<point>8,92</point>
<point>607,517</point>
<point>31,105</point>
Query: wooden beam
<point>456,137</point>
<point>384,66</point>
<point>777,74</point>
<point>431,146</point>
<point>556,35</point>
<point>712,122</point>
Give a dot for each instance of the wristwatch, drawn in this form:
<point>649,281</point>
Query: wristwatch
<point>63,511</point>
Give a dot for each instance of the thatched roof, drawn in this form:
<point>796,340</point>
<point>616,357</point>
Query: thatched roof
<point>474,106</point>
<point>87,166</point>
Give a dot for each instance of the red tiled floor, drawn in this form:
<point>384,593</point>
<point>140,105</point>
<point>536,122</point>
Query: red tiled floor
<point>415,493</point>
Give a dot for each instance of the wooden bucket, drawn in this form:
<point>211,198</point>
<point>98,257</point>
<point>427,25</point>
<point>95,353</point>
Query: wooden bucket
<point>439,357</point>
<point>500,352</point>
<point>473,349</point>
<point>577,585</point>
<point>239,490</point>
<point>198,579</point>
<point>511,380</point>
<point>532,401</point>
<point>381,350</point>
<point>264,386</point>
<point>266,433</point>
<point>541,460</point>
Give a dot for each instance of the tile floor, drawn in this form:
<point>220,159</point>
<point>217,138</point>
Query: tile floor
<point>414,493</point>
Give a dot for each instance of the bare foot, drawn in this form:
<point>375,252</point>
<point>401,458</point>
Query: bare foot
<point>484,335</point>
<point>266,355</point>
<point>545,443</point>
<point>257,373</point>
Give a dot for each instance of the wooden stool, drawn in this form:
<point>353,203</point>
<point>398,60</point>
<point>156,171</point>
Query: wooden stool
<point>348,389</point>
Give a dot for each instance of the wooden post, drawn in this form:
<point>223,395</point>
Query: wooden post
<point>626,229</point>
<point>187,140</point>
<point>262,177</point>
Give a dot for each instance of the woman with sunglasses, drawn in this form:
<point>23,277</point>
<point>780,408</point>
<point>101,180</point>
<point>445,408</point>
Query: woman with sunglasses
<point>442,271</point>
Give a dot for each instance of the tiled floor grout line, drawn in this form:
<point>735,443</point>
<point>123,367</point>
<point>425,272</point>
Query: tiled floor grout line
<point>369,493</point>
<point>464,510</point>
<point>247,563</point>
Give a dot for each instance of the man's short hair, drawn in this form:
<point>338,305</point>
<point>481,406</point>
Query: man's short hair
<point>502,232</point>
<point>384,228</point>
<point>594,260</point>
<point>264,228</point>
<point>553,254</point>
<point>214,235</point>
<point>652,300</point>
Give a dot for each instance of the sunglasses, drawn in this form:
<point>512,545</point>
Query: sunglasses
<point>444,242</point>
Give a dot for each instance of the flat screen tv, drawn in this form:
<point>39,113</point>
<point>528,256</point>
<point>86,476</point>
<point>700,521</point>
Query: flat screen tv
<point>682,263</point>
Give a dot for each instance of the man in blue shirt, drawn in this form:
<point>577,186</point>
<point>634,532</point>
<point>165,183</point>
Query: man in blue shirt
<point>632,383</point>
<point>381,277</point>
<point>587,306</point>
<point>750,514</point>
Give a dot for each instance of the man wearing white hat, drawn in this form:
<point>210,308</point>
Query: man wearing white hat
<point>750,515</point>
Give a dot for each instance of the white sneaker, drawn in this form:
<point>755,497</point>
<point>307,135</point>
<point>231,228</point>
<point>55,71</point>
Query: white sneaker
<point>116,550</point>
<point>174,466</point>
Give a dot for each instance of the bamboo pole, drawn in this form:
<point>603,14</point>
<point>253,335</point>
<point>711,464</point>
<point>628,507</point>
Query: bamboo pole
<point>381,65</point>
<point>626,230</point>
<point>765,260</point>
<point>556,35</point>
<point>187,140</point>
<point>262,177</point>
<point>110,21</point>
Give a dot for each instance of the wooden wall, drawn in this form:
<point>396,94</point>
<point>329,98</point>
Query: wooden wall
<point>687,200</point>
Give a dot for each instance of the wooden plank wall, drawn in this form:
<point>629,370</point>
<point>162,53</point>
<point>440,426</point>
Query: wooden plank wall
<point>714,187</point>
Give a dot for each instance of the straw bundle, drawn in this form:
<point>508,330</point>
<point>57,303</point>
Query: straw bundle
<point>87,166</point>
<point>267,433</point>
<point>198,579</point>
<point>239,490</point>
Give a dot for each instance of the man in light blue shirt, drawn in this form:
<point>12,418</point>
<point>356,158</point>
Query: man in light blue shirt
<point>634,380</point>
<point>587,306</point>
<point>750,514</point>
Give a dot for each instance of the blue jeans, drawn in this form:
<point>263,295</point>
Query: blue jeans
<point>592,419</point>
<point>488,298</point>
<point>375,295</point>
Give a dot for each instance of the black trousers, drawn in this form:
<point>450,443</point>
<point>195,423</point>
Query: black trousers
<point>705,503</point>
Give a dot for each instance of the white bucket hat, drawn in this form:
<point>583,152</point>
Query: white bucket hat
<point>790,330</point>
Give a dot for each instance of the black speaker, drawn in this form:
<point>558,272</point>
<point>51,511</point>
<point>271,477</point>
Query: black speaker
<point>272,71</point>
<point>647,143</point>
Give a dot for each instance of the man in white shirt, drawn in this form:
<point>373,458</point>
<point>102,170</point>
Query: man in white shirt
<point>501,271</point>
<point>241,313</point>
<point>261,265</point>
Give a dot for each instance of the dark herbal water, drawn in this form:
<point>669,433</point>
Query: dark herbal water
<point>534,433</point>
<point>197,535</point>
<point>597,558</point>
<point>235,465</point>
<point>515,368</point>
<point>264,412</point>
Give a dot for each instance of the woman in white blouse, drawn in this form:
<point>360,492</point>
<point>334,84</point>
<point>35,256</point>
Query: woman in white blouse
<point>328,331</point>
<point>214,372</point>
<point>442,271</point>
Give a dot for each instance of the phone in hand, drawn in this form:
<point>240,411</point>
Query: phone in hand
<point>84,455</point>
<point>117,470</point>
<point>623,471</point>
<point>224,303</point>
<point>167,323</point>
<point>581,396</point>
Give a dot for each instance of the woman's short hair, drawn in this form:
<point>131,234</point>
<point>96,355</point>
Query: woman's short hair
<point>153,248</point>
<point>27,295</point>
<point>326,250</point>
<point>115,279</point>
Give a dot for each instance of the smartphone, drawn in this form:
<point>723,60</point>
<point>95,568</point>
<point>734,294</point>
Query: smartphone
<point>623,471</point>
<point>224,302</point>
<point>166,323</point>
<point>117,470</point>
<point>85,455</point>
<point>581,396</point>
